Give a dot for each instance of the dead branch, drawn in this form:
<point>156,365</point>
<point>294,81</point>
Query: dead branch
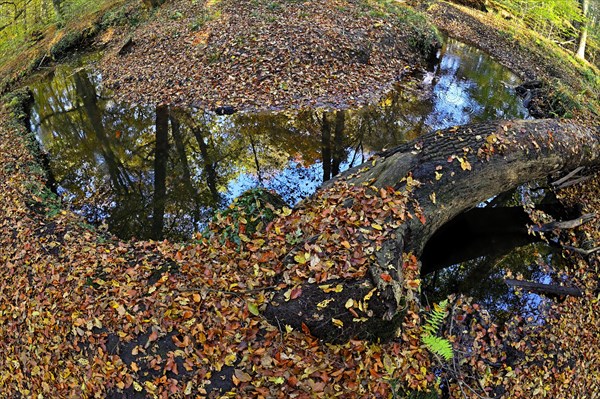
<point>565,225</point>
<point>540,288</point>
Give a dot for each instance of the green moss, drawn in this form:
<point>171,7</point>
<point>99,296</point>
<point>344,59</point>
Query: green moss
<point>249,213</point>
<point>122,16</point>
<point>18,103</point>
<point>68,42</point>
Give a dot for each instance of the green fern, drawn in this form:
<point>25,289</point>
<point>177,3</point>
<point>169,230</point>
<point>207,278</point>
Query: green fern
<point>437,345</point>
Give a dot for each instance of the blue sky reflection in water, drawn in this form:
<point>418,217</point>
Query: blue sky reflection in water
<point>103,154</point>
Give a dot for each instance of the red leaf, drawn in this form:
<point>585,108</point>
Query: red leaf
<point>296,292</point>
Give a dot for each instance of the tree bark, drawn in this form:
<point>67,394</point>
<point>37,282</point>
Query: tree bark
<point>450,171</point>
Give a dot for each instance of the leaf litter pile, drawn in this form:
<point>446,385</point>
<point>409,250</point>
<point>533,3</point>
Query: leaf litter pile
<point>264,54</point>
<point>84,315</point>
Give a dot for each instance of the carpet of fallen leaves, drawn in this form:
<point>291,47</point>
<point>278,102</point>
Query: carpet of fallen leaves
<point>263,54</point>
<point>558,358</point>
<point>84,315</point>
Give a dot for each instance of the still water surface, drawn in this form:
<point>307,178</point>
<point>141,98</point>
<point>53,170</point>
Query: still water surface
<point>153,172</point>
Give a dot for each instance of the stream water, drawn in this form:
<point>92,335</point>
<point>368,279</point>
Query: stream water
<point>154,172</point>
<point>121,164</point>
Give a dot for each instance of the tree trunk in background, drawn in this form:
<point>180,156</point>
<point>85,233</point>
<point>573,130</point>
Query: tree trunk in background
<point>326,147</point>
<point>450,171</point>
<point>210,166</point>
<point>118,174</point>
<point>187,175</point>
<point>585,5</point>
<point>338,143</point>
<point>57,5</point>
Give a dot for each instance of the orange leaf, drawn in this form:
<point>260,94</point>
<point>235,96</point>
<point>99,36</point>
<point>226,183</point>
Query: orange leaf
<point>293,380</point>
<point>305,329</point>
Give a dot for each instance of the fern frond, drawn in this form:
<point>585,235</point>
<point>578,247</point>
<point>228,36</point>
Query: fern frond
<point>439,346</point>
<point>436,318</point>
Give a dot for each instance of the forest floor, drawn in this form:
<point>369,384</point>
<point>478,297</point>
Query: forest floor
<point>86,315</point>
<point>263,54</point>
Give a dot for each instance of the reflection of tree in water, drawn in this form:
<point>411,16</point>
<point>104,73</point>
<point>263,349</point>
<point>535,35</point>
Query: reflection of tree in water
<point>152,172</point>
<point>471,86</point>
<point>475,252</point>
<point>483,279</point>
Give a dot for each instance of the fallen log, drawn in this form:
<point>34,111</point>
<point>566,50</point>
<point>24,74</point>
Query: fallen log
<point>445,173</point>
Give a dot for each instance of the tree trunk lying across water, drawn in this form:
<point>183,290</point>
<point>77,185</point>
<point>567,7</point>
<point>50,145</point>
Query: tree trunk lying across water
<point>447,172</point>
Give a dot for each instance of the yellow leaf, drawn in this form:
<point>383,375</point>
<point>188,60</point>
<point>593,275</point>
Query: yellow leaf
<point>323,304</point>
<point>285,211</point>
<point>432,197</point>
<point>150,386</point>
<point>252,308</point>
<point>230,359</point>
<point>301,258</point>
<point>137,386</point>
<point>277,380</point>
<point>464,164</point>
<point>244,238</point>
<point>188,388</point>
<point>328,288</point>
<point>337,322</point>
<point>438,175</point>
<point>369,295</point>
<point>345,244</point>
<point>376,226</point>
<point>491,139</point>
<point>349,303</point>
